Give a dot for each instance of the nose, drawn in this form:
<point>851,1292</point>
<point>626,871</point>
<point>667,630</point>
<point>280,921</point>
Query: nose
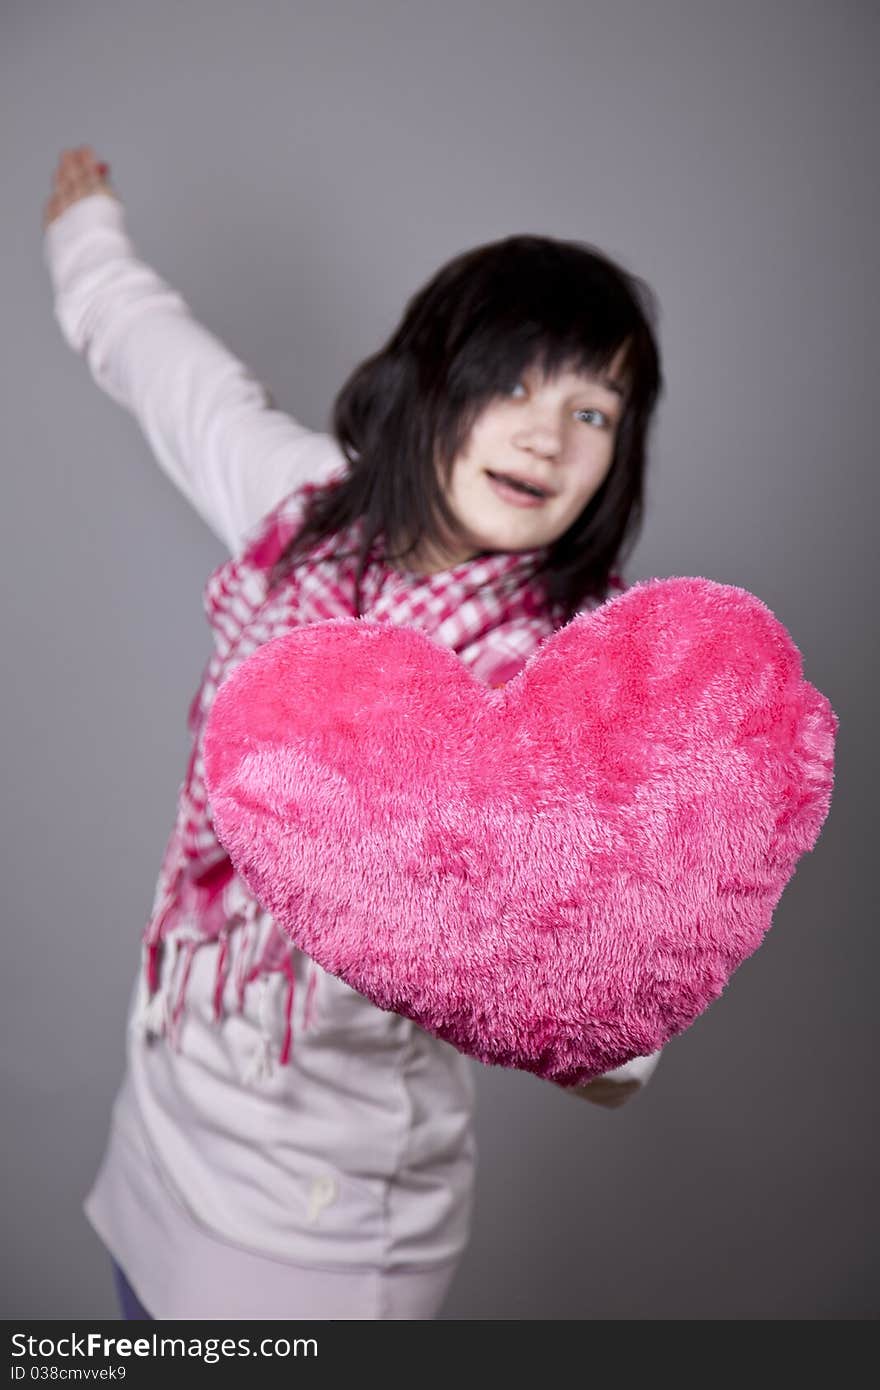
<point>539,434</point>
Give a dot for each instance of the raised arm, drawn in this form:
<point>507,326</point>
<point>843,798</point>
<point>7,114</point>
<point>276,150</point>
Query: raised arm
<point>212,426</point>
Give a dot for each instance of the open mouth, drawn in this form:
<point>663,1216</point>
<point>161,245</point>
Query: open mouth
<point>527,489</point>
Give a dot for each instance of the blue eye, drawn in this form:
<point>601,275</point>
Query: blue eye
<point>593,411</point>
<point>518,386</point>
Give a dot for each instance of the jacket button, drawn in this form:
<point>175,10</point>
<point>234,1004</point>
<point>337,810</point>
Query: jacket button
<point>324,1190</point>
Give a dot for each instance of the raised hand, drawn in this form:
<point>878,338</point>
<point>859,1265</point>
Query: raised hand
<point>79,172</point>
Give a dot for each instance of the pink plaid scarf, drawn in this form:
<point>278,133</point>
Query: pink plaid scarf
<point>490,610</point>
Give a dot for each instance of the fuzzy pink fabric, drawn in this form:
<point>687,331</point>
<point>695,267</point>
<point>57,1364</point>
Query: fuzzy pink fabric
<point>559,874</point>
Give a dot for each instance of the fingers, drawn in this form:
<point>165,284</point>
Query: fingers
<point>78,173</point>
<point>79,169</point>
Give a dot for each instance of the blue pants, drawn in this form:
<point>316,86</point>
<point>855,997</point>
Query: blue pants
<point>132,1308</point>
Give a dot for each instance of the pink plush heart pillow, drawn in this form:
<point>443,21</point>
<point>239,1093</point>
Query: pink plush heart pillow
<point>558,874</point>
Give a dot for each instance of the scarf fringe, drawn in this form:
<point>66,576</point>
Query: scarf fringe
<point>161,1010</point>
<point>261,1067</point>
<point>186,949</point>
<point>310,995</point>
<point>221,975</point>
<point>149,1020</point>
<point>249,933</point>
<point>287,1044</point>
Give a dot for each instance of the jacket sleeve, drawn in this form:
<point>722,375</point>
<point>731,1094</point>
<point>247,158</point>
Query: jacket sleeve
<point>639,1069</point>
<point>625,1081</point>
<point>212,426</point>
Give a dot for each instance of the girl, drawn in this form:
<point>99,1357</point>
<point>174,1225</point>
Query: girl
<point>279,1146</point>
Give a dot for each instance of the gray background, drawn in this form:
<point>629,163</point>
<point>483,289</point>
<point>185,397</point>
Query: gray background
<point>297,170</point>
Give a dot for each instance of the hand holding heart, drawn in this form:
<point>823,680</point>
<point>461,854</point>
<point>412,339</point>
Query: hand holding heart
<point>556,875</point>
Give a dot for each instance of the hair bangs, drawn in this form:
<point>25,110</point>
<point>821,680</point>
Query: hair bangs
<point>542,308</point>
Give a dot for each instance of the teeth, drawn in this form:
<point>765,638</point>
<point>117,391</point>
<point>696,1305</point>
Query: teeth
<point>515,482</point>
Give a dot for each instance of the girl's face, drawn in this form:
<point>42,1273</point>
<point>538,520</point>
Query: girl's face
<point>555,434</point>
